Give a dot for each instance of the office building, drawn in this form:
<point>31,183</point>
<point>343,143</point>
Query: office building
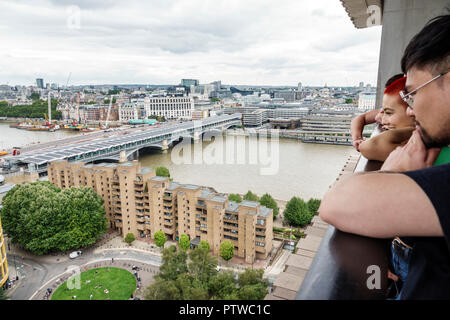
<point>40,83</point>
<point>139,202</point>
<point>189,82</point>
<point>170,107</point>
<point>366,101</point>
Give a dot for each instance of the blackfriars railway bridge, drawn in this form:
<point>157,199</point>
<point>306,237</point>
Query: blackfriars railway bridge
<point>109,148</point>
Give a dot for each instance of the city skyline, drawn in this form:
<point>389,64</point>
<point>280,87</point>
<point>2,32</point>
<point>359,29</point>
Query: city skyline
<point>256,43</point>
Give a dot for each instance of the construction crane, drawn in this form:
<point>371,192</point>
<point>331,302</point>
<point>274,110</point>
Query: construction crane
<point>49,109</point>
<point>68,78</point>
<point>109,111</point>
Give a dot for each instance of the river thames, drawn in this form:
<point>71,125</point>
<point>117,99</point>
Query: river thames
<point>301,169</point>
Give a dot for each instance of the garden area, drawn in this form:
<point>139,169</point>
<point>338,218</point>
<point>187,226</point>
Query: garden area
<point>99,284</point>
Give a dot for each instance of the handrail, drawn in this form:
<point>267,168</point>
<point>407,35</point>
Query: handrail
<point>343,265</point>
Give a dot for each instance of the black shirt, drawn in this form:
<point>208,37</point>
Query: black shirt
<point>429,267</point>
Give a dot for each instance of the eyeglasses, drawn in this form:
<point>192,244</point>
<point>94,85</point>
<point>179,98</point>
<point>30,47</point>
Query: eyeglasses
<point>408,97</point>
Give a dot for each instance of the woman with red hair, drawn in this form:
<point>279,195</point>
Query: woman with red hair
<point>397,124</point>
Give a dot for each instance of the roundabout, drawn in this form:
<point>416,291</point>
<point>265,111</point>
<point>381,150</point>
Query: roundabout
<point>107,283</point>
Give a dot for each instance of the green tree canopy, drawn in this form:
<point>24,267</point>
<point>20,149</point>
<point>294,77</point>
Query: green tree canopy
<point>129,238</point>
<point>35,96</point>
<point>160,238</point>
<point>313,205</point>
<point>198,279</point>
<point>43,218</point>
<point>204,244</point>
<point>269,202</point>
<point>202,265</point>
<point>34,110</point>
<point>162,172</point>
<point>227,250</point>
<point>184,242</point>
<point>174,263</point>
<point>2,295</point>
<point>297,212</point>
<point>252,285</point>
<point>235,197</point>
<point>250,196</point>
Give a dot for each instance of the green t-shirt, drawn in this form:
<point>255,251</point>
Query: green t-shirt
<point>444,156</point>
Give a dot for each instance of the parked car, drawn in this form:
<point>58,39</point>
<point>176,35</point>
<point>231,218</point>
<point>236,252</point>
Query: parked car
<point>75,254</point>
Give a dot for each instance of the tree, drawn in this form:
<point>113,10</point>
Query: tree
<point>297,212</point>
<point>348,101</point>
<point>129,238</point>
<point>202,265</point>
<point>199,279</point>
<point>269,202</point>
<point>313,205</point>
<point>35,96</point>
<point>160,238</point>
<point>43,218</point>
<point>35,110</point>
<point>227,250</point>
<point>252,285</point>
<point>250,196</point>
<point>235,197</point>
<point>174,263</point>
<point>162,172</point>
<point>223,286</point>
<point>184,242</point>
<point>204,245</point>
<point>2,295</point>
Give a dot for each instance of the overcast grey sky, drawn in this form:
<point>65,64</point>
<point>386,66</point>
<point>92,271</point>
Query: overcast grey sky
<point>260,42</point>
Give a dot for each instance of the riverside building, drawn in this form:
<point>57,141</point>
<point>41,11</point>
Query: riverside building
<point>139,202</point>
<point>170,107</point>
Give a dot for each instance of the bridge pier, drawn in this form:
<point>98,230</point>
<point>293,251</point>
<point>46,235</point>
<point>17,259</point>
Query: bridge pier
<point>196,137</point>
<point>165,146</point>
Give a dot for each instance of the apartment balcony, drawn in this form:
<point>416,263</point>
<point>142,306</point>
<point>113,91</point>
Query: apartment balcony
<point>230,217</point>
<point>115,191</point>
<point>167,196</point>
<point>140,226</point>
<point>138,187</point>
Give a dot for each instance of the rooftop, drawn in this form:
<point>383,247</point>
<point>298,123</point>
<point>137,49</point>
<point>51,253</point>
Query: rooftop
<point>145,170</point>
<point>264,211</point>
<point>190,186</point>
<point>173,185</point>
<point>247,203</point>
<point>157,178</point>
<point>232,206</point>
<point>218,199</point>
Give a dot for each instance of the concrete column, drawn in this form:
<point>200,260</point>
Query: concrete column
<point>123,157</point>
<point>402,20</point>
<point>196,137</point>
<point>165,146</point>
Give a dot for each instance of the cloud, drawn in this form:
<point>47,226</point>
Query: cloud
<point>272,43</point>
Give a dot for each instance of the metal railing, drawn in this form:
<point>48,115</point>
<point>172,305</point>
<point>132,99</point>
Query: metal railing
<point>344,264</point>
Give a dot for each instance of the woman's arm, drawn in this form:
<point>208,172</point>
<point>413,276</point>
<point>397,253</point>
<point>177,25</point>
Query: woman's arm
<point>357,126</point>
<point>379,147</point>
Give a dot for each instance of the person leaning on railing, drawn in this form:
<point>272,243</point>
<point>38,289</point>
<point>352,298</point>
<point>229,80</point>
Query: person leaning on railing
<point>374,116</point>
<point>408,197</point>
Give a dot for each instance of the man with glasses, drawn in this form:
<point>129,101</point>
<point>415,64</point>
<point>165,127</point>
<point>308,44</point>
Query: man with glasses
<point>409,197</point>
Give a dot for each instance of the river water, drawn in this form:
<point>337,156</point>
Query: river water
<point>291,168</point>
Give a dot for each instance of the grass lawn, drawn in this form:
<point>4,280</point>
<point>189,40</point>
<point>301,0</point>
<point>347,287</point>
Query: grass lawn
<point>119,282</point>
